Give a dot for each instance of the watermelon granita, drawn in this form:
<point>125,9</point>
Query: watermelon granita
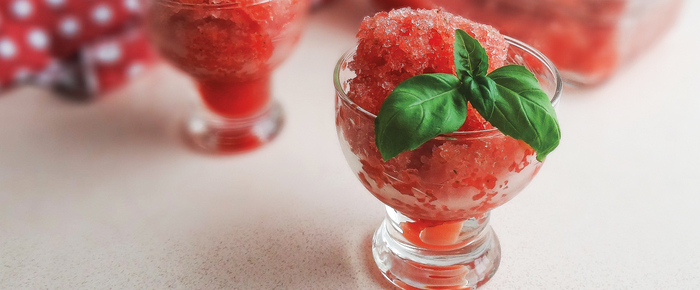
<point>453,177</point>
<point>228,46</point>
<point>436,234</point>
<point>587,39</point>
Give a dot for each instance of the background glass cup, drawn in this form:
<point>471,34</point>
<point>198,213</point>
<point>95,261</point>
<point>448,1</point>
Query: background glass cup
<point>436,234</point>
<point>230,50</point>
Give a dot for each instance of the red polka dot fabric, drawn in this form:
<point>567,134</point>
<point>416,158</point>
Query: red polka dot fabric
<point>37,36</point>
<point>118,59</point>
<point>24,51</point>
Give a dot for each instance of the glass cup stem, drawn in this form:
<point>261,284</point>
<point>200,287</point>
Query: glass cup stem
<point>420,254</point>
<point>236,117</point>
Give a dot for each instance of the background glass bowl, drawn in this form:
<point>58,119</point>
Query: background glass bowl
<point>588,40</point>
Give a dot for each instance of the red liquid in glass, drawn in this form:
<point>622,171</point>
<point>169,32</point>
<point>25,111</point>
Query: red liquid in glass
<point>236,100</point>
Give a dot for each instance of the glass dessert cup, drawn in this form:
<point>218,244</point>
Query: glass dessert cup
<point>436,234</point>
<point>230,49</point>
<point>588,40</point>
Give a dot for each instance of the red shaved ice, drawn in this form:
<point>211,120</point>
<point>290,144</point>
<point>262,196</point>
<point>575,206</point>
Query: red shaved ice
<point>394,46</point>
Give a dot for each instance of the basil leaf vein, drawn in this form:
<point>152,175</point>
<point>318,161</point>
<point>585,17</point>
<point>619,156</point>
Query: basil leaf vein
<point>418,110</point>
<point>471,59</point>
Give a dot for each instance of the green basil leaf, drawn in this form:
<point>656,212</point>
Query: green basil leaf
<point>470,57</point>
<point>522,110</point>
<point>419,109</point>
<point>481,91</point>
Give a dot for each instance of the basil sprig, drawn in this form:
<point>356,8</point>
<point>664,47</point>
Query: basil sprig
<point>425,106</point>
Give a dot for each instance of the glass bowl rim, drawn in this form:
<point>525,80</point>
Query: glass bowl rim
<point>211,5</point>
<point>511,41</point>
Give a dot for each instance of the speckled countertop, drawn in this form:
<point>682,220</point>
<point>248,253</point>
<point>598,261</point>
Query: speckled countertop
<point>105,196</point>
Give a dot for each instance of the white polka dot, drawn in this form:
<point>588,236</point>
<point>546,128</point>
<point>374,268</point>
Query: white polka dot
<point>22,8</point>
<point>135,69</point>
<point>109,53</point>
<point>102,14</point>
<point>22,75</point>
<point>132,5</point>
<point>8,49</point>
<point>55,3</point>
<point>38,39</point>
<point>69,27</point>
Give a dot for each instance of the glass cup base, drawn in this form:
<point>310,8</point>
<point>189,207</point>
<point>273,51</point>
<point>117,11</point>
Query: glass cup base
<point>467,261</point>
<point>210,133</point>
